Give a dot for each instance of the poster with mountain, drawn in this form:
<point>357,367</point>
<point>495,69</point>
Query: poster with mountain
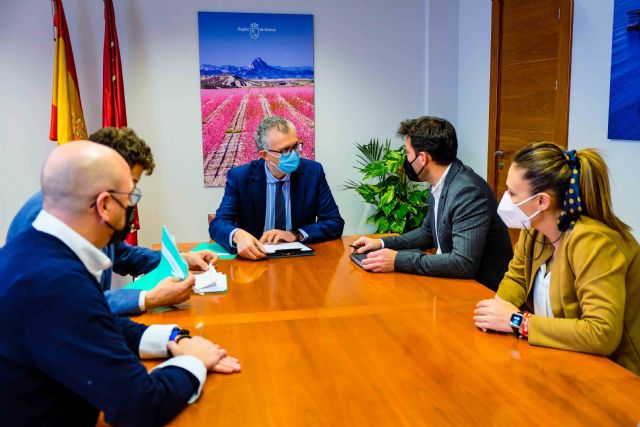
<point>252,65</point>
<point>624,97</point>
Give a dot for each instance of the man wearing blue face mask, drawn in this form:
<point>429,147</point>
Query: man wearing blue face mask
<point>279,197</point>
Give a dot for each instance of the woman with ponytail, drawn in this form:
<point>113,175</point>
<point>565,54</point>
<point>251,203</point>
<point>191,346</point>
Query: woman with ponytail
<point>574,280</point>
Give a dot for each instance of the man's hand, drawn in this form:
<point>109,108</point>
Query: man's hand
<point>169,291</point>
<point>494,314</point>
<point>381,261</point>
<point>248,246</point>
<point>274,236</point>
<point>227,365</point>
<point>214,358</point>
<point>199,261</point>
<point>366,244</point>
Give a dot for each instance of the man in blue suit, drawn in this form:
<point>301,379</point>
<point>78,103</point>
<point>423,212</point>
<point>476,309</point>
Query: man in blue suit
<point>279,197</point>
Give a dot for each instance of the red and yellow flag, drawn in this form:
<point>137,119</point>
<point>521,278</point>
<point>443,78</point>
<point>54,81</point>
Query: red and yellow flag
<point>67,119</point>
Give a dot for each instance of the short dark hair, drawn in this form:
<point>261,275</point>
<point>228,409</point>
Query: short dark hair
<point>431,135</point>
<point>125,141</point>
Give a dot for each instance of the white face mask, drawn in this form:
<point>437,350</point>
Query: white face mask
<point>512,215</point>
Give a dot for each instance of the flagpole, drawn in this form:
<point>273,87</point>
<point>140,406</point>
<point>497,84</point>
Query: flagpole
<point>53,16</point>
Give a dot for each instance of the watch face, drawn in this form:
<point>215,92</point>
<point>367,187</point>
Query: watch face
<point>516,320</point>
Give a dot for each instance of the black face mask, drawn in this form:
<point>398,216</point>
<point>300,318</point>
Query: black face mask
<point>119,235</point>
<point>408,169</point>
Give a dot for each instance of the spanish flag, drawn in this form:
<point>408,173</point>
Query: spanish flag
<point>67,119</point>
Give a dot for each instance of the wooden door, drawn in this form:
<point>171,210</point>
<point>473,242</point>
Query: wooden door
<point>530,73</point>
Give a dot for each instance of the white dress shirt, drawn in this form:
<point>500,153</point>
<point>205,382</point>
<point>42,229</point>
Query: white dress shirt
<point>436,191</point>
<point>541,300</point>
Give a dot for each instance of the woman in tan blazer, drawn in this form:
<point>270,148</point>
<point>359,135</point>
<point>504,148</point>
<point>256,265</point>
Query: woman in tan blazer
<point>576,269</point>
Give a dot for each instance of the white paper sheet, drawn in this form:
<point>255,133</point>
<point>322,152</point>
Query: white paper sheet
<point>210,281</point>
<point>272,247</point>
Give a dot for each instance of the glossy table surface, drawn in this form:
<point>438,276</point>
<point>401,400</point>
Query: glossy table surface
<point>322,342</point>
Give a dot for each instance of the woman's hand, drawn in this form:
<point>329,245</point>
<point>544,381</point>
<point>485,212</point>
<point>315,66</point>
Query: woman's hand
<point>494,314</point>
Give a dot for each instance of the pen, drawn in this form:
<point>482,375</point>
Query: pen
<point>355,247</point>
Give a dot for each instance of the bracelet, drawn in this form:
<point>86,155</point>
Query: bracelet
<point>175,332</point>
<point>179,337</point>
<point>524,328</point>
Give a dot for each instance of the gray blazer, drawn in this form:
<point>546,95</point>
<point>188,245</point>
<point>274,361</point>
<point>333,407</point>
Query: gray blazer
<point>474,241</point>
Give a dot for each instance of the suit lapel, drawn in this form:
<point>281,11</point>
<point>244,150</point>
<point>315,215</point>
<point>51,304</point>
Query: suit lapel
<point>258,190</point>
<point>544,253</point>
<point>296,193</point>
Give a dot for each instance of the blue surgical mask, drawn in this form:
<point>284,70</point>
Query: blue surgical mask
<point>288,163</point>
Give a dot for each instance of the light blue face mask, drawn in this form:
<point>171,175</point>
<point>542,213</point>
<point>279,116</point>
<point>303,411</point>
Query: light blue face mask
<point>288,163</point>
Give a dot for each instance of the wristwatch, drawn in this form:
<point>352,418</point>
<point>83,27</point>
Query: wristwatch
<point>516,321</point>
<point>177,334</point>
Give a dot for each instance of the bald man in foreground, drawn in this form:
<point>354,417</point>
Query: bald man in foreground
<point>63,355</point>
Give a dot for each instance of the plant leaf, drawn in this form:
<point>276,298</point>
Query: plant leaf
<point>387,197</point>
<point>388,208</point>
<point>382,225</point>
<point>401,211</point>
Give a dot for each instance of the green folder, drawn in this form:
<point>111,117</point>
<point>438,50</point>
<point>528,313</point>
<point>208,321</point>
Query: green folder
<point>164,270</point>
<point>171,265</point>
<point>216,248</point>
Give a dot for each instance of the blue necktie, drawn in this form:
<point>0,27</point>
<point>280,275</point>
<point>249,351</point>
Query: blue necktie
<point>281,215</point>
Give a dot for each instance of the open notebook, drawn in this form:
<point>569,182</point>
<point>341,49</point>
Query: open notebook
<point>279,250</point>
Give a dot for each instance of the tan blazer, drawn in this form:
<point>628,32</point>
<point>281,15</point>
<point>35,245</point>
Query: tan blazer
<point>594,291</point>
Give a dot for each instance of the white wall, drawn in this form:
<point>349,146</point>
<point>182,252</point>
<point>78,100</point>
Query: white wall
<point>589,99</point>
<point>442,53</point>
<point>589,107</point>
<point>370,74</point>
<point>473,83</point>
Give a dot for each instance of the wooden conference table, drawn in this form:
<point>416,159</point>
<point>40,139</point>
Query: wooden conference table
<point>324,343</point>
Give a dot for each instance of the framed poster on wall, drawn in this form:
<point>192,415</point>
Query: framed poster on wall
<point>252,65</point>
<point>624,98</point>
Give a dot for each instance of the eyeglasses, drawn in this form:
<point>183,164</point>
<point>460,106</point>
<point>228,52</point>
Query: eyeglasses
<point>134,196</point>
<point>297,147</point>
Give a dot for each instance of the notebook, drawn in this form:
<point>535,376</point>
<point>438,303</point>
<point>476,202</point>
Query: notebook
<point>286,249</point>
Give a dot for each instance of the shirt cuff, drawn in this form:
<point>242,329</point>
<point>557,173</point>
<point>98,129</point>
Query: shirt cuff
<point>305,236</point>
<point>142,300</point>
<point>191,364</point>
<point>231,244</point>
<point>381,243</point>
<point>153,343</point>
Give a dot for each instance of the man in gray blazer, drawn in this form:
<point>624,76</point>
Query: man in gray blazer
<point>462,223</point>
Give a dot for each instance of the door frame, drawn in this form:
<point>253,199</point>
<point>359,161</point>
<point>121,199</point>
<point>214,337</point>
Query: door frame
<point>564,81</point>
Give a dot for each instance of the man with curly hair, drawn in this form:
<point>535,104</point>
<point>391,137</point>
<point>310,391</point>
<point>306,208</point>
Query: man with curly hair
<point>126,259</point>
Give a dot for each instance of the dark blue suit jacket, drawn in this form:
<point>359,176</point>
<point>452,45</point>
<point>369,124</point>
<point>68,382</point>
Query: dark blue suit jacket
<point>244,203</point>
<point>64,356</point>
<point>126,259</point>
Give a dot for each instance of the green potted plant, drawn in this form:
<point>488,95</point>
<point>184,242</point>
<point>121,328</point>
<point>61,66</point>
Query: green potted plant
<point>401,205</point>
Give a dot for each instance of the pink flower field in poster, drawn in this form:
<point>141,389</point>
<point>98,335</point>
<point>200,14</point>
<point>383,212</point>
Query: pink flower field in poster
<point>272,74</point>
<point>231,116</point>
